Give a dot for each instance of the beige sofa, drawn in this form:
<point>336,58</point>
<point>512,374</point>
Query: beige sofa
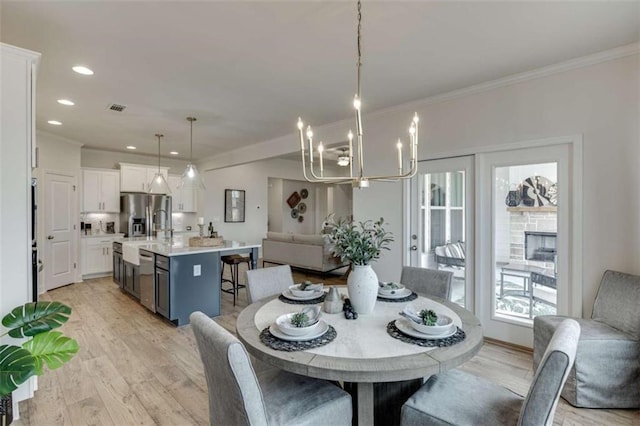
<point>300,251</point>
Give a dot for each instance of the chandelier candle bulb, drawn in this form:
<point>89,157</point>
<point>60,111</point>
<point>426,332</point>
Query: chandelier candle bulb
<point>320,150</point>
<point>399,145</point>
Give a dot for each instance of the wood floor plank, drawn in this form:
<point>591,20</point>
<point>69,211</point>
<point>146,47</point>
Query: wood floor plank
<point>136,368</point>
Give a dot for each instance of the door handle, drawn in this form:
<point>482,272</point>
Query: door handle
<point>414,248</point>
<point>50,237</point>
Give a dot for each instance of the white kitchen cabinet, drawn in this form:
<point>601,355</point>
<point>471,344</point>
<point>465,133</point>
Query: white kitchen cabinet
<point>183,199</point>
<point>97,255</point>
<point>136,177</point>
<point>100,191</point>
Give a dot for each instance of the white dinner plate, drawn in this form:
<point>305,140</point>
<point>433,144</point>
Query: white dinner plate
<point>313,295</point>
<point>398,295</point>
<point>323,328</point>
<point>403,325</point>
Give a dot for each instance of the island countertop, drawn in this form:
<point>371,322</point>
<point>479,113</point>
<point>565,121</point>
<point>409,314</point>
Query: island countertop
<point>179,246</point>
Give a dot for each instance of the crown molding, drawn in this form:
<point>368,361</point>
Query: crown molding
<point>581,62</point>
<point>41,133</point>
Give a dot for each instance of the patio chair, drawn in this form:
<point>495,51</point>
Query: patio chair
<point>428,282</point>
<point>607,369</point>
<point>239,395</point>
<point>266,282</point>
<point>459,398</point>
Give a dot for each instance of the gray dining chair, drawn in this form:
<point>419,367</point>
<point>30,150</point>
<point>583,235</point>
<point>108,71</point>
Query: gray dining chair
<point>606,373</point>
<point>458,398</point>
<point>266,282</point>
<point>240,395</point>
<point>429,282</point>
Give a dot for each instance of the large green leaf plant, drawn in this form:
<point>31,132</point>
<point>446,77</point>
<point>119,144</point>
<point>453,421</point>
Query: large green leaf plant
<point>47,347</point>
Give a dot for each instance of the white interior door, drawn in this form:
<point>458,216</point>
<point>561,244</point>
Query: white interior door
<point>524,235</point>
<point>442,220</point>
<point>60,233</point>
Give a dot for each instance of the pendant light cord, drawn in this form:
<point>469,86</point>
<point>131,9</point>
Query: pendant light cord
<point>158,135</point>
<point>191,120</point>
<point>359,63</point>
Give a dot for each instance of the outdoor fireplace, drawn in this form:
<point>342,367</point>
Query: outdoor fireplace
<point>540,246</point>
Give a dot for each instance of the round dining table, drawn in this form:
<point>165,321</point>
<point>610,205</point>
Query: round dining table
<point>380,371</point>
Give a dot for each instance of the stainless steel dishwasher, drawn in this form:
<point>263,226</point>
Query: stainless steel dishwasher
<point>147,282</point>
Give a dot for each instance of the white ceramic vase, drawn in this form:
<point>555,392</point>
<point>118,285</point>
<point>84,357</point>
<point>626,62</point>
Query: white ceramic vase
<point>362,286</point>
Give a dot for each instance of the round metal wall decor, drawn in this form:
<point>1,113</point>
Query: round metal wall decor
<point>300,218</point>
<point>294,213</point>
<point>302,208</point>
<point>304,193</point>
<point>534,191</point>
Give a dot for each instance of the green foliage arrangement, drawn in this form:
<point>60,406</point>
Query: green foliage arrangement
<point>299,319</point>
<point>47,347</point>
<point>359,243</point>
<point>428,317</point>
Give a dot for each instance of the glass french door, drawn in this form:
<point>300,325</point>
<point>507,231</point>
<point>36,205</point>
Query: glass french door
<point>524,231</point>
<point>442,223</point>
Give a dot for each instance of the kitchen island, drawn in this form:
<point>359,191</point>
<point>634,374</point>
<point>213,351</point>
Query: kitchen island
<point>172,279</point>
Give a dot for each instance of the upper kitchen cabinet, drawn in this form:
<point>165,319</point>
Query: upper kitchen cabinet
<point>100,191</point>
<point>136,177</point>
<point>184,199</point>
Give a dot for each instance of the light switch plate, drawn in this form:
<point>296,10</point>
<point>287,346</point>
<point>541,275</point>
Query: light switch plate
<point>196,270</point>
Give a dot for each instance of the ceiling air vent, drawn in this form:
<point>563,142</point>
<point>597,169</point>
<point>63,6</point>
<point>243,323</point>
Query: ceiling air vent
<point>116,107</point>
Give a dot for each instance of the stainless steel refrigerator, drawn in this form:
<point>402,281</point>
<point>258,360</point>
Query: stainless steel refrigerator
<point>144,214</point>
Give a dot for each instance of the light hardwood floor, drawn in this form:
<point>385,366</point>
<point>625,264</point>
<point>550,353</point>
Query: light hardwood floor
<point>134,368</point>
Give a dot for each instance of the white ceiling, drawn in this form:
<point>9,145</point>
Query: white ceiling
<point>247,70</point>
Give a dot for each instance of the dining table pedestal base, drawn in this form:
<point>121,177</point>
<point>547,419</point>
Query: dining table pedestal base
<point>380,403</point>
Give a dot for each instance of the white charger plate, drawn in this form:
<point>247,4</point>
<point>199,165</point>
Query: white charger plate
<point>323,328</point>
<point>314,295</point>
<point>398,295</point>
<point>403,325</point>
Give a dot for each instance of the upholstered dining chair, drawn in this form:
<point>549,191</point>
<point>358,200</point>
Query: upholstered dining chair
<point>429,282</point>
<point>458,398</point>
<point>265,282</point>
<point>607,369</point>
<point>238,395</point>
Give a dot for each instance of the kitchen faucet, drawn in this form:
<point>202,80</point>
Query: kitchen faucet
<point>166,221</point>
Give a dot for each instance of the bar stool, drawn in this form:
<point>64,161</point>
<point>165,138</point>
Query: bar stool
<point>233,260</point>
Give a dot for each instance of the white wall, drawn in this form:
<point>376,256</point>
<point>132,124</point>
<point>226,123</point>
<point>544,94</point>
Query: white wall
<point>599,101</point>
<point>275,209</point>
<point>253,178</point>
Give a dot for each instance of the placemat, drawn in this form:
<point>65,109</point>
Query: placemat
<point>302,302</point>
<point>285,345</point>
<point>427,343</point>
<point>409,298</point>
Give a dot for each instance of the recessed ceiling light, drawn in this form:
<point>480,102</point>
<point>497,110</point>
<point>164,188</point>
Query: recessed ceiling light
<point>55,122</point>
<point>174,153</point>
<point>66,102</point>
<point>82,70</point>
<point>131,147</point>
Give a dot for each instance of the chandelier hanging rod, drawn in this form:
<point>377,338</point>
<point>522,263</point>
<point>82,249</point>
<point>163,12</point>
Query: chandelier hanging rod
<point>359,180</point>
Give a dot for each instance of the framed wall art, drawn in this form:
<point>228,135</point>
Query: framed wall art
<point>234,205</point>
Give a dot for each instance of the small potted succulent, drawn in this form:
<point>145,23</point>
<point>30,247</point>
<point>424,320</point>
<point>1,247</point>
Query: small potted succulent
<point>359,243</point>
<point>46,347</point>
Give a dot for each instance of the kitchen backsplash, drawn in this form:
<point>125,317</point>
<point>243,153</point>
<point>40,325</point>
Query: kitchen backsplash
<point>99,221</point>
<point>180,221</point>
